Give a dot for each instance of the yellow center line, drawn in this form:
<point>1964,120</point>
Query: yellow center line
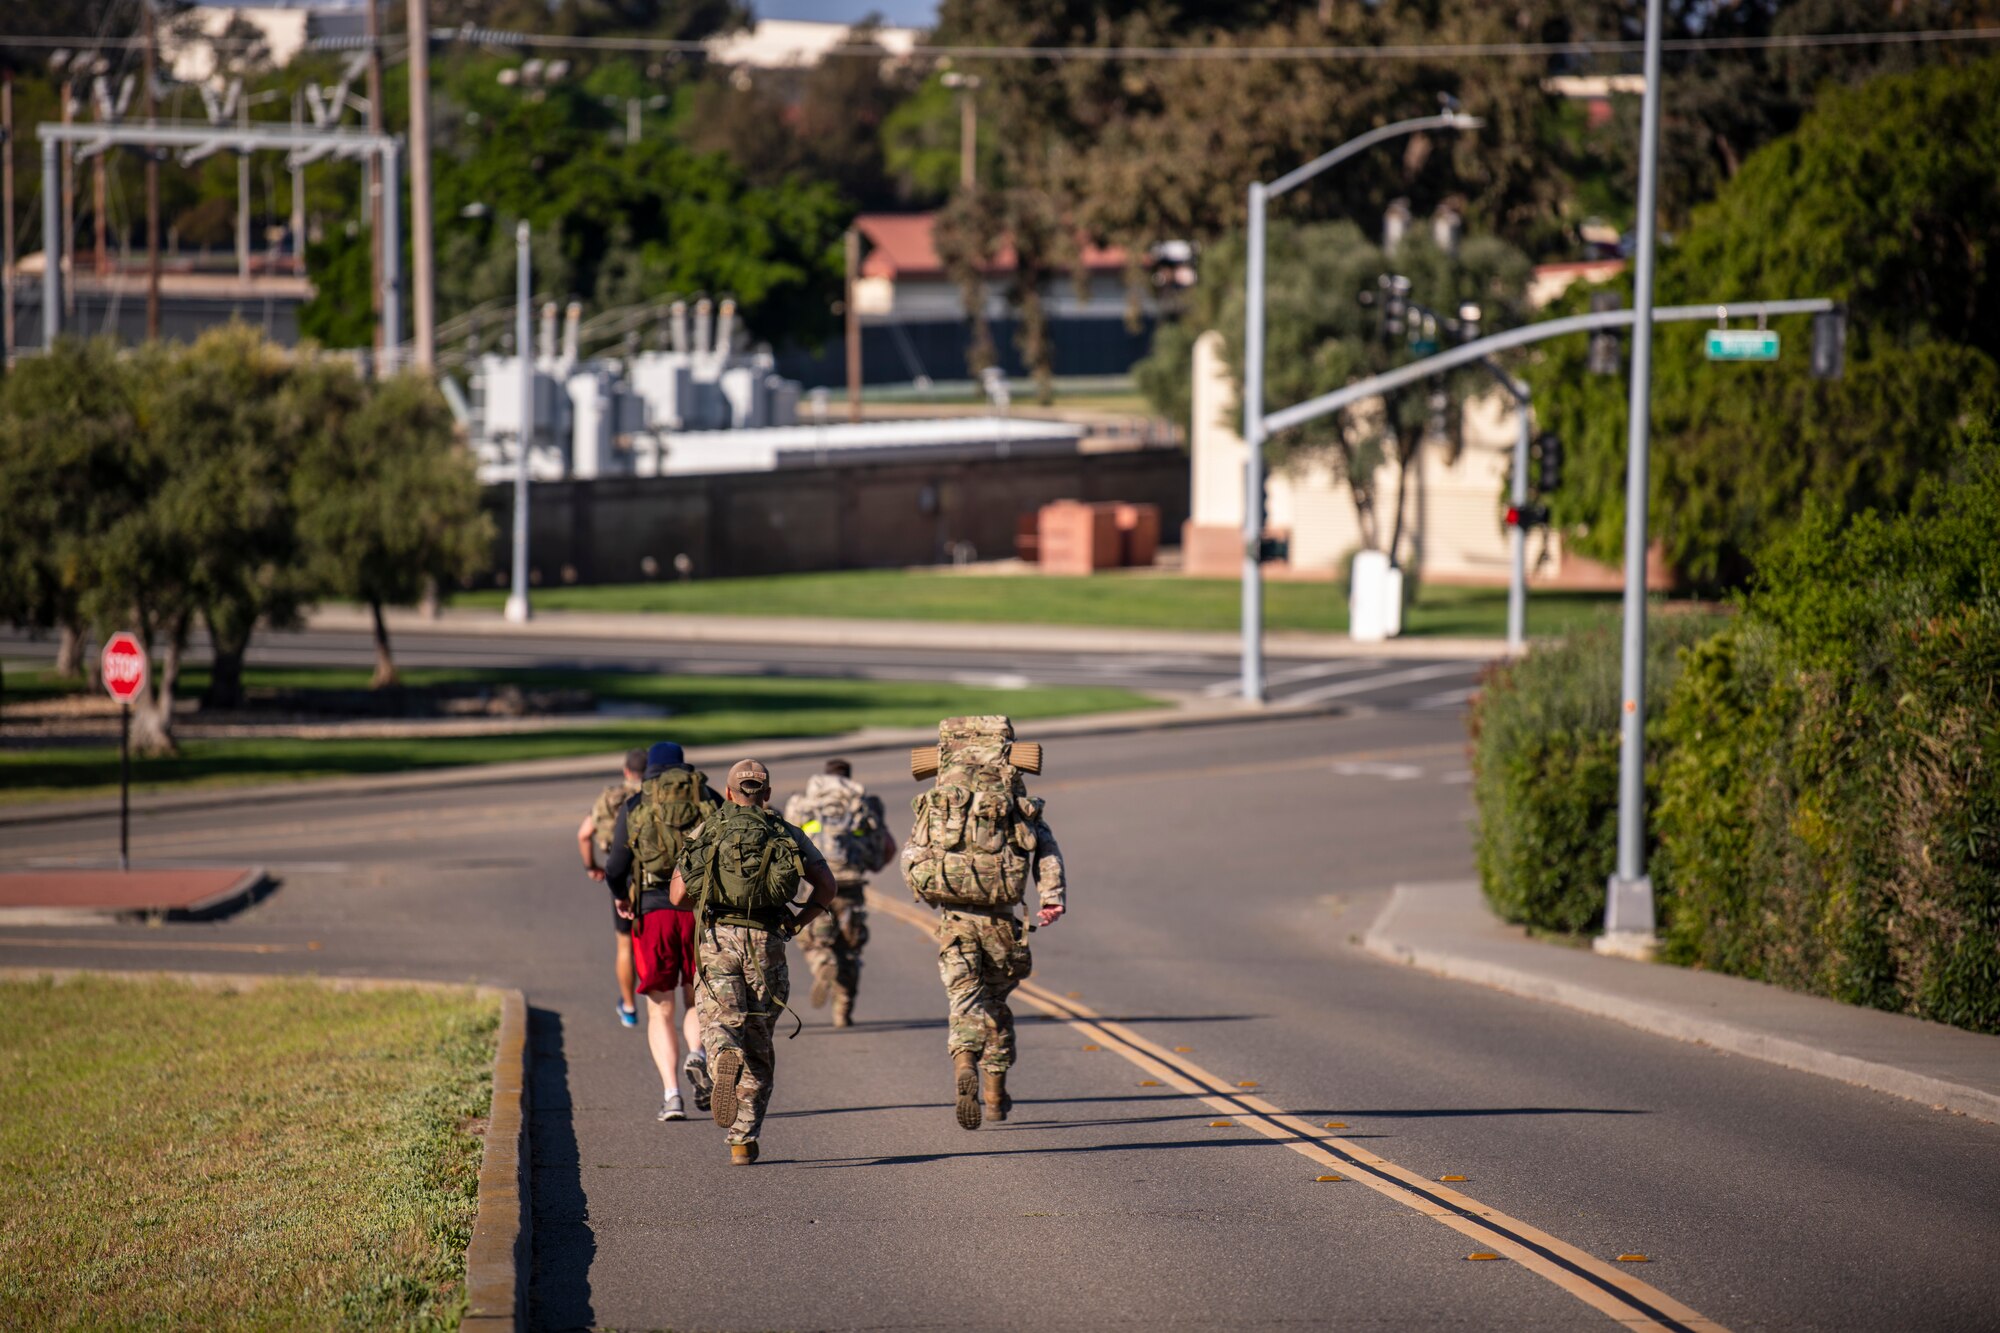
<point>1609,1290</point>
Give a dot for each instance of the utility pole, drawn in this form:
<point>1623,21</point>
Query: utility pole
<point>100,226</point>
<point>853,326</point>
<point>517,600</point>
<point>1629,926</point>
<point>422,265</point>
<point>299,197</point>
<point>7,208</point>
<point>242,191</point>
<point>68,191</point>
<point>152,182</point>
<point>372,168</point>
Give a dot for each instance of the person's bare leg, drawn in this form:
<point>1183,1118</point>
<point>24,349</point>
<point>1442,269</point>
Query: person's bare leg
<point>628,973</point>
<point>664,1040</point>
<point>691,1023</point>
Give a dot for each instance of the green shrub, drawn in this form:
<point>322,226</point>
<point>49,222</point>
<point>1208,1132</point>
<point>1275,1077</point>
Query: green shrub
<point>1829,793</point>
<point>1545,769</point>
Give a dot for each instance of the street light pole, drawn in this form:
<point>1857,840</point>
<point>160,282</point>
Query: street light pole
<point>517,600</point>
<point>1628,910</point>
<point>1254,430</point>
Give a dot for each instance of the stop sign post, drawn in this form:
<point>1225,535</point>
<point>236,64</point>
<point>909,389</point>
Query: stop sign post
<point>124,668</point>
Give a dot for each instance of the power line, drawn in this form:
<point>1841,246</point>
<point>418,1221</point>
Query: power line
<point>1390,51</point>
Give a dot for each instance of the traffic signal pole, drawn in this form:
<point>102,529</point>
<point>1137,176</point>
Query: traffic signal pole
<point>1517,580</point>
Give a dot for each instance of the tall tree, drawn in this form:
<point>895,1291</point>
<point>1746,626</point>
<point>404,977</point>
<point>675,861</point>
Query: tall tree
<point>1866,203</point>
<point>388,501</point>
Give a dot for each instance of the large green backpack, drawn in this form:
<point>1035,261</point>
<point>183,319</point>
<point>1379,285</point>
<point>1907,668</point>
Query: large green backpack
<point>743,868</point>
<point>973,838</point>
<point>670,807</point>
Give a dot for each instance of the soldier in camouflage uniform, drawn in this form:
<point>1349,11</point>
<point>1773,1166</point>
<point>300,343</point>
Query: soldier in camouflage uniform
<point>743,982</point>
<point>593,843</point>
<point>847,825</point>
<point>977,841</point>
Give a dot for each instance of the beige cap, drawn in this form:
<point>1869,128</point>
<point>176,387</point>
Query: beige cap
<point>748,776</point>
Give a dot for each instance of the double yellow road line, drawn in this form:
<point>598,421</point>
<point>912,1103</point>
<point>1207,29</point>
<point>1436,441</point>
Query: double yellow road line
<point>1603,1286</point>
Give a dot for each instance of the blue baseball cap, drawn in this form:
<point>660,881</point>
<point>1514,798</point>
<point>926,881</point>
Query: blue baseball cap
<point>665,754</point>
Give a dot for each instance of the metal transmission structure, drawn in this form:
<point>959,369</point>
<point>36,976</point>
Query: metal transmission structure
<point>1255,429</point>
<point>200,140</point>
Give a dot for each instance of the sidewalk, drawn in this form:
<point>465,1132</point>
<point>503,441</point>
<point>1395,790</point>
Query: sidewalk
<point>79,897</point>
<point>834,632</point>
<point>1448,929</point>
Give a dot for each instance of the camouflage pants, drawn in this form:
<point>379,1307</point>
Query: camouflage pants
<point>982,958</point>
<point>832,946</point>
<point>743,979</point>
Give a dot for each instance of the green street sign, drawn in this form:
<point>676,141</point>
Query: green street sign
<point>1743,344</point>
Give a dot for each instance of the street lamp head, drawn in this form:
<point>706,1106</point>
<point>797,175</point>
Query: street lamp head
<point>1458,120</point>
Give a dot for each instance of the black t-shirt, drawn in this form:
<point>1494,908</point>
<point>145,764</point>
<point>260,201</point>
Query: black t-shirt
<point>618,862</point>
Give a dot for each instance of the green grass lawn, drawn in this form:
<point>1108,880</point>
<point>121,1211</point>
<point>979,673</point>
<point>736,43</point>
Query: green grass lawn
<point>287,1157</point>
<point>706,710</point>
<point>1140,600</point>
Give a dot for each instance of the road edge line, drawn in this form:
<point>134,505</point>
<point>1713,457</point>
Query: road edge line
<point>1661,1021</point>
<point>498,1253</point>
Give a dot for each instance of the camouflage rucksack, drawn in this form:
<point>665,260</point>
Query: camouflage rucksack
<point>973,840</point>
<point>743,868</point>
<point>844,822</point>
<point>670,807</point>
<point>604,814</point>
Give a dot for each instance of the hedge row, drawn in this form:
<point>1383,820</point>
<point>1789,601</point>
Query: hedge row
<point>1823,775</point>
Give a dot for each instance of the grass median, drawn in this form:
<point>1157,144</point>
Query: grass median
<point>284,1157</point>
<point>1136,599</point>
<point>694,710</point>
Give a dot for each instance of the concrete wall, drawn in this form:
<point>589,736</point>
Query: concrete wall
<point>802,519</point>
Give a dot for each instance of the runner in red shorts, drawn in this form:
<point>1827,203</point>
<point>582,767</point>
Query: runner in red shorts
<point>662,948</point>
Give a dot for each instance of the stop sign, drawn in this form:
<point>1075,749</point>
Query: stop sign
<point>124,667</point>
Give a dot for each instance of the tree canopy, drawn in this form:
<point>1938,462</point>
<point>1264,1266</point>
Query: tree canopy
<point>1865,203</point>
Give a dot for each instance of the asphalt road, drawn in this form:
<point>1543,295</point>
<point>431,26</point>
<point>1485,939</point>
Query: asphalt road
<point>1399,682</point>
<point>1221,877</point>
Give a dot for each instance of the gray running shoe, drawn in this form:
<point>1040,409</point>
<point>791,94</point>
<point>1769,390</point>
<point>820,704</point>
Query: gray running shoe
<point>670,1109</point>
<point>695,1070</point>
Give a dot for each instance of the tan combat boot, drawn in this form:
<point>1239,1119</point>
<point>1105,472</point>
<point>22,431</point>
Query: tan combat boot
<point>965,1072</point>
<point>743,1154</point>
<point>843,1009</point>
<point>993,1091</point>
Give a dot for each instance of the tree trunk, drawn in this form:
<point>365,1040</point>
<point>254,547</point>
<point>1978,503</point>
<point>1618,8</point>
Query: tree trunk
<point>69,651</point>
<point>225,673</point>
<point>1403,455</point>
<point>385,663</point>
<point>153,719</point>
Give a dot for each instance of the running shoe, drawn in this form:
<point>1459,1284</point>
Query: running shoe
<point>670,1109</point>
<point>695,1070</point>
<point>629,1017</point>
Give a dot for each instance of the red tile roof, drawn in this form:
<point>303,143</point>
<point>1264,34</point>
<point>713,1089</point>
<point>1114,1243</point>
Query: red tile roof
<point>901,245</point>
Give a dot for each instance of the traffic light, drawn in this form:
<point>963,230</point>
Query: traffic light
<point>1829,344</point>
<point>1527,516</point>
<point>1395,305</point>
<point>1606,355</point>
<point>1271,549</point>
<point>1548,462</point>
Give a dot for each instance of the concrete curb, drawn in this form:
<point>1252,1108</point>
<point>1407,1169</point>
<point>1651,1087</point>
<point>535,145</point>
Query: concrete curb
<point>1381,940</point>
<point>606,764</point>
<point>496,1261</point>
<point>837,632</point>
